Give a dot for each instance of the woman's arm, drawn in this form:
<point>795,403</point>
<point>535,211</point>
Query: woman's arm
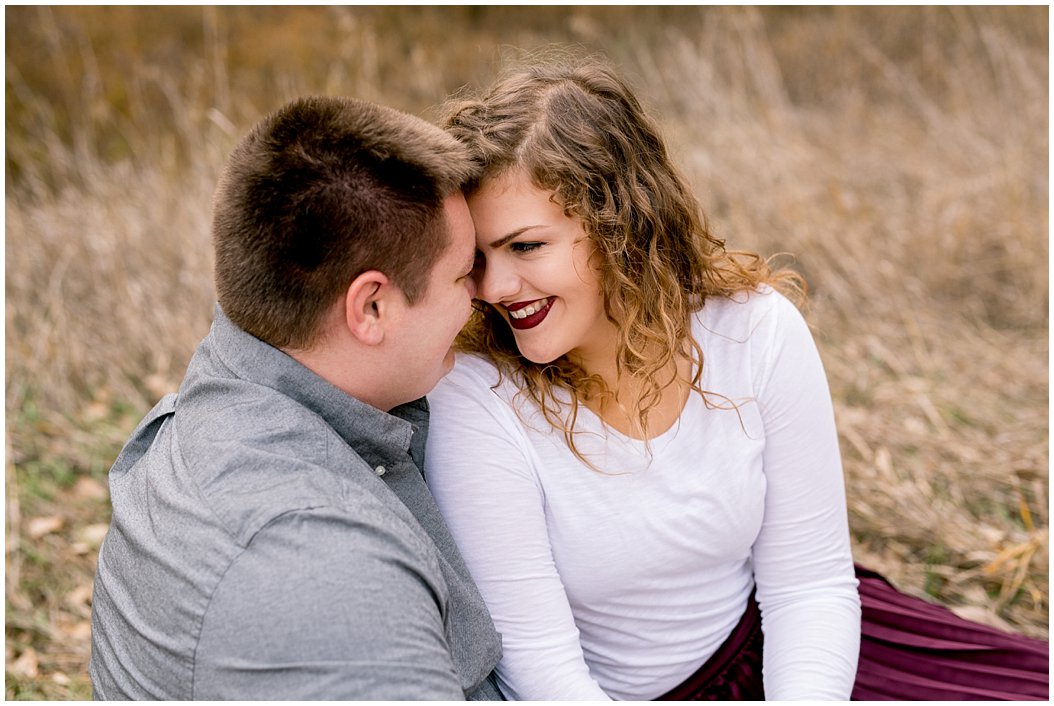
<point>802,559</point>
<point>478,465</point>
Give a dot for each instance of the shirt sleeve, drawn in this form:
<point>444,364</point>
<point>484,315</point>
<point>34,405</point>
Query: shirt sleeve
<point>495,509</point>
<point>803,564</point>
<point>325,605</point>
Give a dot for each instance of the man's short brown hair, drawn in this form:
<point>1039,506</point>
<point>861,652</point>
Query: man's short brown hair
<point>319,192</point>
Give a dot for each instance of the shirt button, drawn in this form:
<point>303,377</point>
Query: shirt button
<point>380,470</point>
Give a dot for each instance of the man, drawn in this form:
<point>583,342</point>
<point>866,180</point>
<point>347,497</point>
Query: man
<point>272,534</point>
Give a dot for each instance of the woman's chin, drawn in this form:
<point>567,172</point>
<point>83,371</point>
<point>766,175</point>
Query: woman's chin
<point>539,357</point>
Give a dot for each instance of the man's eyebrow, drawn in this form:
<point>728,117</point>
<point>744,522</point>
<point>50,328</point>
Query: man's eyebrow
<point>506,238</point>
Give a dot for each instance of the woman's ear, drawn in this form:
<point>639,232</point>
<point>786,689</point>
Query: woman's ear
<point>366,309</point>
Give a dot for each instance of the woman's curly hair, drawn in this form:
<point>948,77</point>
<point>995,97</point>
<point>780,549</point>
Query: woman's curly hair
<point>578,131</point>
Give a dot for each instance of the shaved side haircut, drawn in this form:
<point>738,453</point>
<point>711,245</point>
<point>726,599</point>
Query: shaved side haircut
<point>319,192</point>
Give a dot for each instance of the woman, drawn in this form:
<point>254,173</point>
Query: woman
<point>640,460</point>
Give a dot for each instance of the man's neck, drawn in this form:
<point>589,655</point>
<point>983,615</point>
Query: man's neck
<point>346,370</point>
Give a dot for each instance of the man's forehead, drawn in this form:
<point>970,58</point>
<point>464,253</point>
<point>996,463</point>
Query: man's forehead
<point>461,230</point>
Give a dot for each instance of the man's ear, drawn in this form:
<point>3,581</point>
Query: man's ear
<point>367,302</point>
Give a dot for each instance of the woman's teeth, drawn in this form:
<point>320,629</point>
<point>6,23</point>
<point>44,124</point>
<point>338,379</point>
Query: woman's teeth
<point>532,308</point>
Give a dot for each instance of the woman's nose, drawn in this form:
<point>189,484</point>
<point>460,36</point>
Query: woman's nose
<point>495,280</point>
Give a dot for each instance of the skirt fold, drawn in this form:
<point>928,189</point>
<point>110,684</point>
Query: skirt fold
<point>914,650</point>
<point>910,650</point>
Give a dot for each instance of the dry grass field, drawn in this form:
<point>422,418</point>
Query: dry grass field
<point>898,156</point>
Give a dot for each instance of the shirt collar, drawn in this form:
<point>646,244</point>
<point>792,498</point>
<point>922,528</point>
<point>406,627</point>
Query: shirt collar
<point>379,437</point>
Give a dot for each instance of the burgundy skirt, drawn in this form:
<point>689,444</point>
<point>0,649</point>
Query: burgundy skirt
<point>910,650</point>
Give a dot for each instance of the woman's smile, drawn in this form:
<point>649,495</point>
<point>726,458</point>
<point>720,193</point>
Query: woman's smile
<point>525,315</point>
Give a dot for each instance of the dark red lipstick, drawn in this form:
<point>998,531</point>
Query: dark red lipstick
<point>531,320</point>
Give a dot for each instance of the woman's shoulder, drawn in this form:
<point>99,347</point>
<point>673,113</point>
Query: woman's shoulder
<point>471,372</point>
<point>475,393</point>
<point>739,316</point>
<point>473,376</point>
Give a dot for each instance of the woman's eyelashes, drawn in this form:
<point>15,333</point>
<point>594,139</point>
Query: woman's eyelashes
<point>525,247</point>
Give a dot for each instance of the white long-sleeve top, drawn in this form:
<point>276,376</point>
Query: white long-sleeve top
<point>621,583</point>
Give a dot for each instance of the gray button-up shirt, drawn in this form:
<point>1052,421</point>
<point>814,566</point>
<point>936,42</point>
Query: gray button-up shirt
<point>273,538</point>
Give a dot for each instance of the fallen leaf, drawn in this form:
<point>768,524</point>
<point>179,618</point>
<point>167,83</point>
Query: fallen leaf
<point>27,665</point>
<point>96,411</point>
<point>80,596</point>
<point>48,427</point>
<point>81,631</point>
<point>60,679</point>
<point>92,535</point>
<point>39,526</point>
<point>87,488</point>
<point>158,385</point>
<point>884,461</point>
<point>982,615</point>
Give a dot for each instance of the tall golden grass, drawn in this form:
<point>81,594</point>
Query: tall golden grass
<point>899,156</point>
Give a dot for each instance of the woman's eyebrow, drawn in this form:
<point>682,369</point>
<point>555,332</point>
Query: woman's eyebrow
<point>506,238</point>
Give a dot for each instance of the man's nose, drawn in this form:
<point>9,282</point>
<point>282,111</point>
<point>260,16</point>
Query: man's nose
<point>472,287</point>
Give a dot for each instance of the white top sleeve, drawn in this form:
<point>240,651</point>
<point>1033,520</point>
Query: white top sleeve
<point>802,558</point>
<point>501,532</point>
